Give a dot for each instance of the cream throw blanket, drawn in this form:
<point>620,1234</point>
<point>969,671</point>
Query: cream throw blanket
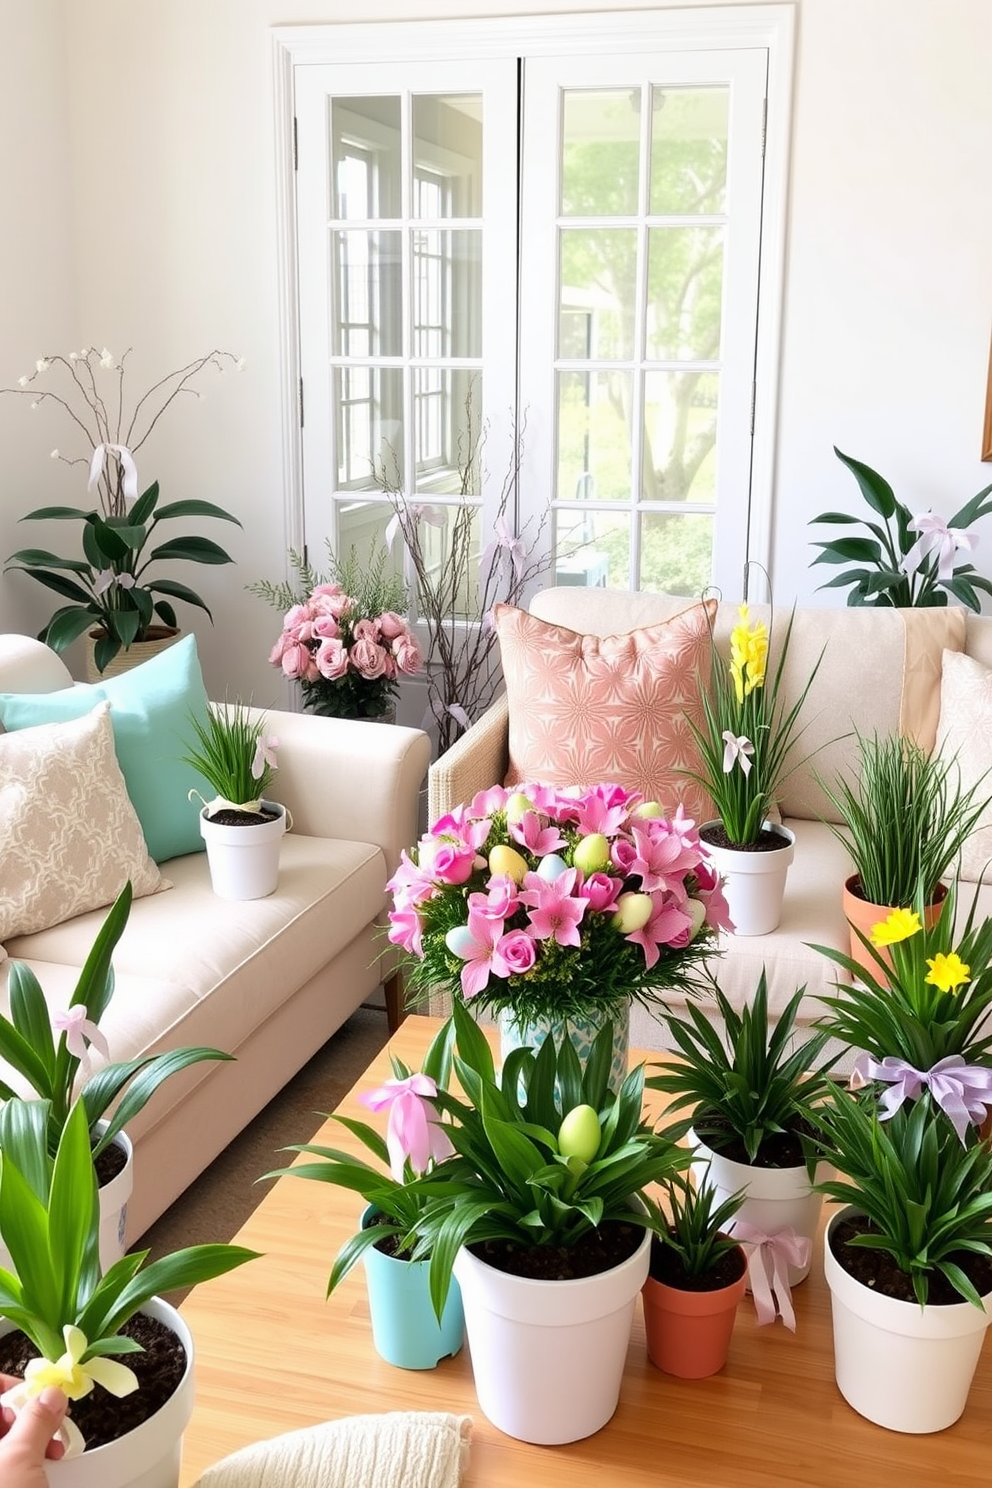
<point>400,1449</point>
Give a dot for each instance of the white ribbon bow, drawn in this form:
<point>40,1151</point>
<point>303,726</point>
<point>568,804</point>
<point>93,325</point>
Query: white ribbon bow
<point>936,537</point>
<point>769,1259</point>
<point>126,459</point>
<point>434,516</point>
<point>737,749</point>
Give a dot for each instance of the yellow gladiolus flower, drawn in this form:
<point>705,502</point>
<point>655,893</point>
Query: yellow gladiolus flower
<point>947,972</point>
<point>900,925</point>
<point>77,1379</point>
<point>748,654</point>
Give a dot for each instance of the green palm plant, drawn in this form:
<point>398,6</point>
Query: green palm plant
<point>694,1229</point>
<point>232,753</point>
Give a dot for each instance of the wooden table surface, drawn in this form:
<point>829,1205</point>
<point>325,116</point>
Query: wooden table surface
<point>273,1356</point>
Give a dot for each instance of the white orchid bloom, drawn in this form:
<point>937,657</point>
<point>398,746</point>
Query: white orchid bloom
<point>106,358</point>
<point>936,537</point>
<point>42,365</point>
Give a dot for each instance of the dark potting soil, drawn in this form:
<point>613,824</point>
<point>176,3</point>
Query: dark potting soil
<point>390,1245</point>
<point>766,841</point>
<point>878,1270</point>
<point>777,1150</point>
<point>100,1416</point>
<point>667,1266</point>
<point>598,1250</point>
<point>111,1161</point>
<point>230,817</point>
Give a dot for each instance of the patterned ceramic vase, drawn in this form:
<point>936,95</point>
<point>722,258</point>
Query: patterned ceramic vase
<point>531,1032</point>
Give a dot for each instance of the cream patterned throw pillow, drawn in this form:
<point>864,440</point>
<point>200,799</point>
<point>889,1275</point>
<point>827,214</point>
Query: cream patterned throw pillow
<point>964,730</point>
<point>69,836</point>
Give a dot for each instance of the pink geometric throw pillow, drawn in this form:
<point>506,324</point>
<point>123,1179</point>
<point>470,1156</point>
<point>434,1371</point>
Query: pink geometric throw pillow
<point>586,709</point>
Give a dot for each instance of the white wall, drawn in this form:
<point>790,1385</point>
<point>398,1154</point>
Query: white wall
<point>168,117</point>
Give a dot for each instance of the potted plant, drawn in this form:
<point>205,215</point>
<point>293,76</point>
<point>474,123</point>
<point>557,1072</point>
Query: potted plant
<point>405,1330</point>
<point>753,1092</point>
<point>697,1277</point>
<point>904,819</point>
<point>242,830</point>
<point>908,1260</point>
<point>110,591</point>
<point>50,1052</point>
<point>539,1219</point>
<point>555,909</point>
<point>70,1326</point>
<point>910,561</point>
<point>344,639</point>
<point>746,747</point>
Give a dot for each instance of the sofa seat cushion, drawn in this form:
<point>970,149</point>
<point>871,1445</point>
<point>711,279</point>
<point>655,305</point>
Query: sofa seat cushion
<point>204,970</point>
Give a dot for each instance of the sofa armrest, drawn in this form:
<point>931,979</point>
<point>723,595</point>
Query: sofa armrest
<point>350,779</point>
<point>476,761</point>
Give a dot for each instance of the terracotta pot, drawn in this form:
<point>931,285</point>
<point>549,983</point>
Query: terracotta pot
<point>689,1333</point>
<point>160,638</point>
<point>862,915</point>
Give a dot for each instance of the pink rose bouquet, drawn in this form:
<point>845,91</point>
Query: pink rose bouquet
<point>557,902</point>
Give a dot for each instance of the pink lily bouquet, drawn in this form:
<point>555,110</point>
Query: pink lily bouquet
<point>557,902</point>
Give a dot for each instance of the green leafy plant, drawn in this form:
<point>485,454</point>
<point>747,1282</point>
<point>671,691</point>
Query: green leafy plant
<point>749,736</point>
<point>908,561</point>
<point>932,1004</point>
<point>905,818</point>
<point>109,586</point>
<point>50,1066</point>
<point>393,1194</point>
<point>695,1225</point>
<point>752,1082</point>
<point>544,1153</point>
<point>49,1222</point>
<point>233,754</point>
<point>927,1195</point>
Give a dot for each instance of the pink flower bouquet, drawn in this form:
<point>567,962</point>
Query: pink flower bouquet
<point>347,662</point>
<point>557,902</point>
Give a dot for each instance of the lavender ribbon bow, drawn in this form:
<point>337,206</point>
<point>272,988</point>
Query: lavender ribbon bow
<point>768,1260</point>
<point>962,1091</point>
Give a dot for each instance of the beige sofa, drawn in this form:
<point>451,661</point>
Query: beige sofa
<point>268,980</point>
<point>881,671</point>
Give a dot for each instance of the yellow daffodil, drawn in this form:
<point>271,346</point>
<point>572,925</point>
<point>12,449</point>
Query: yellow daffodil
<point>947,972</point>
<point>76,1379</point>
<point>748,654</point>
<point>900,925</point>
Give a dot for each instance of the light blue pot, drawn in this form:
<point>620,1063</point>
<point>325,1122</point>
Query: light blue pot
<point>405,1330</point>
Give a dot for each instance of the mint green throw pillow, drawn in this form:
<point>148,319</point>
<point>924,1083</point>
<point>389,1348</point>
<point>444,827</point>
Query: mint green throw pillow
<point>150,714</point>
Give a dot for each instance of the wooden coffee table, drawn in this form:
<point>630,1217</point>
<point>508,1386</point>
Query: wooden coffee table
<point>273,1356</point>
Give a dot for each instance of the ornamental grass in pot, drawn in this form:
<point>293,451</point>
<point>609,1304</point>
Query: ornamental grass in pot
<point>752,1090</point>
<point>405,1329</point>
<point>540,1219</point>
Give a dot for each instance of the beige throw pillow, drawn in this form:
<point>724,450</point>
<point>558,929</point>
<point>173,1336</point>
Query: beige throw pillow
<point>964,730</point>
<point>69,836</point>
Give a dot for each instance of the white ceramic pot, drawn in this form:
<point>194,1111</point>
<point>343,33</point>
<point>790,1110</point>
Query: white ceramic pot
<point>777,1198</point>
<point>150,1456</point>
<point>754,882</point>
<point>113,1200</point>
<point>244,860</point>
<point>548,1356</point>
<point>902,1366</point>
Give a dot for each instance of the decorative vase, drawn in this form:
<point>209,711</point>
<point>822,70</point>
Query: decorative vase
<point>160,638</point>
<point>905,1367</point>
<point>405,1329</point>
<point>150,1455</point>
<point>548,1356</point>
<point>244,860</point>
<point>689,1332</point>
<point>754,881</point>
<point>518,1031</point>
<point>862,915</point>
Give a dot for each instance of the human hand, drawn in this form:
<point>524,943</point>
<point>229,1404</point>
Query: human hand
<point>28,1437</point>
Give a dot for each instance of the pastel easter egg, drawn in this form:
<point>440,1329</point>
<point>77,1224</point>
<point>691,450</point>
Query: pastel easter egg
<point>592,853</point>
<point>460,941</point>
<point>648,809</point>
<point>506,862</point>
<point>551,867</point>
<point>579,1134</point>
<point>632,913</point>
<point>517,805</point>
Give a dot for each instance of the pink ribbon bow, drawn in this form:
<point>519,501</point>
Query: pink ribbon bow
<point>504,542</point>
<point>936,537</point>
<point>414,1128</point>
<point>77,1027</point>
<point>769,1259</point>
<point>962,1091</point>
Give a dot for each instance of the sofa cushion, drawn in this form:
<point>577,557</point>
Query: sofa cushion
<point>585,709</point>
<point>149,710</point>
<point>964,732</point>
<point>69,836</point>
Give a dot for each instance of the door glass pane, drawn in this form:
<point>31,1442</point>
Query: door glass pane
<point>447,293</point>
<point>447,407</point>
<point>685,289</point>
<point>365,157</point>
<point>367,303</point>
<point>362,526</point>
<point>676,552</point>
<point>598,293</point>
<point>689,150</point>
<point>594,435</point>
<point>447,155</point>
<point>593,549</point>
<point>369,403</point>
<point>600,151</point>
<point>679,446</point>
<point>450,549</point>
